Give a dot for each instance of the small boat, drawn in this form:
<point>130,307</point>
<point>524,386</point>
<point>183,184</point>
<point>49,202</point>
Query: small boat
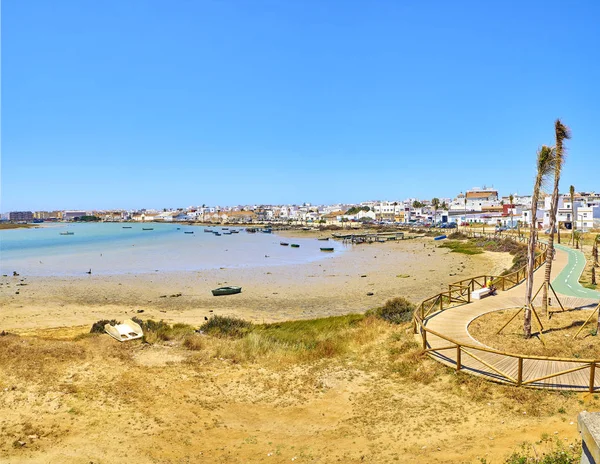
<point>235,231</point>
<point>128,330</point>
<point>251,230</point>
<point>226,233</point>
<point>326,248</point>
<point>267,231</point>
<point>67,233</point>
<point>284,243</point>
<point>126,227</point>
<point>150,228</point>
<point>325,238</point>
<point>218,234</point>
<point>226,291</point>
<point>209,230</point>
<point>224,228</point>
<point>179,228</point>
<point>306,228</point>
<point>440,237</point>
<point>185,232</point>
<point>295,245</point>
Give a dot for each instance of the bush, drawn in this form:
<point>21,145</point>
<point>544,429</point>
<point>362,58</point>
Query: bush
<point>193,342</point>
<point>397,310</point>
<point>98,327</point>
<point>225,326</point>
<point>161,331</point>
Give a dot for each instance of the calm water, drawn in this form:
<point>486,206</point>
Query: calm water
<point>108,248</point>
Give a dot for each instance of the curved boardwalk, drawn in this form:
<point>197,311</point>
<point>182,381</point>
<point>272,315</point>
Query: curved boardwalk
<point>478,359</point>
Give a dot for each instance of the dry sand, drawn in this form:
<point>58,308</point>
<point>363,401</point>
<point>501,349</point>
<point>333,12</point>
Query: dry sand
<point>415,269</point>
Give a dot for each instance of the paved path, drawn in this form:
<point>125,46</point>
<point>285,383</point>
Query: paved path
<point>453,323</point>
<point>567,282</point>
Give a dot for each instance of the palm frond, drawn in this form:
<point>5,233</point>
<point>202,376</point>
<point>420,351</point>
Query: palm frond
<point>562,131</point>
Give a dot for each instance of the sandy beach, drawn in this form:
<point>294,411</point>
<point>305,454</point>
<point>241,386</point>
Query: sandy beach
<point>66,396</point>
<point>340,284</point>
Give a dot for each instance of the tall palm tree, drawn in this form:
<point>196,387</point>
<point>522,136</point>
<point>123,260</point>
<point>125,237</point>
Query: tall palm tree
<point>545,165</point>
<point>435,202</point>
<point>562,133</point>
<point>573,222</point>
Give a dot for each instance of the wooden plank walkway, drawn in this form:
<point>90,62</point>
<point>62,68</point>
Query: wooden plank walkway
<point>478,359</point>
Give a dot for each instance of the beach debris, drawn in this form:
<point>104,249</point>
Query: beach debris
<point>364,275</point>
<point>403,276</point>
<point>370,294</point>
<point>3,333</point>
<point>140,311</point>
<point>15,274</point>
<point>163,296</point>
<point>175,295</point>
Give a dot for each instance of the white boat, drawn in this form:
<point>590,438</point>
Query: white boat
<point>126,331</point>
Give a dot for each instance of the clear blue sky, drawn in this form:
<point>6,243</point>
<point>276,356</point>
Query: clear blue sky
<point>134,104</point>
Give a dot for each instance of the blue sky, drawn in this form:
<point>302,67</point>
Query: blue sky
<point>168,104</point>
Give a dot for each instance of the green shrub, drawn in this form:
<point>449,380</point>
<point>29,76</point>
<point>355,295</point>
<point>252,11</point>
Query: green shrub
<point>98,327</point>
<point>397,310</point>
<point>225,326</point>
<point>162,331</point>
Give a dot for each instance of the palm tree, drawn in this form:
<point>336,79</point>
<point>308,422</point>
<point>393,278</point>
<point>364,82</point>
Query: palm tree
<point>435,202</point>
<point>545,165</point>
<point>562,133</point>
<point>573,222</point>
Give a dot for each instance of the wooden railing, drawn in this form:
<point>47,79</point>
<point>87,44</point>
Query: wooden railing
<point>459,293</point>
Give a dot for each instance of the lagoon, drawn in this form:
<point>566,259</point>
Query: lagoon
<point>114,248</point>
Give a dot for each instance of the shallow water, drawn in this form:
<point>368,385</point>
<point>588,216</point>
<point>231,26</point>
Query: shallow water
<point>108,248</point>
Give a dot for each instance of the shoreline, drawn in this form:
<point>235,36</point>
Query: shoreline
<point>337,285</point>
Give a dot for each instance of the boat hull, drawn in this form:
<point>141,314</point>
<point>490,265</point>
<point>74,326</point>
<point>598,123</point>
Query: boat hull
<point>226,291</point>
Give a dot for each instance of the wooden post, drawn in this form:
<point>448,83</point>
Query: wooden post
<point>503,281</point>
<point>592,376</point>
<point>458,360</point>
<point>520,372</point>
<point>424,335</point>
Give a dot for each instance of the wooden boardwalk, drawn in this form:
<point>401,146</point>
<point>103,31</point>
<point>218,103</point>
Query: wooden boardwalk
<point>448,340</point>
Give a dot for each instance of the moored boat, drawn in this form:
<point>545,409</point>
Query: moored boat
<point>284,243</point>
<point>326,248</point>
<point>126,227</point>
<point>440,237</point>
<point>150,228</point>
<point>323,238</point>
<point>295,245</point>
<point>218,234</point>
<point>226,291</point>
<point>67,233</point>
<point>191,232</point>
